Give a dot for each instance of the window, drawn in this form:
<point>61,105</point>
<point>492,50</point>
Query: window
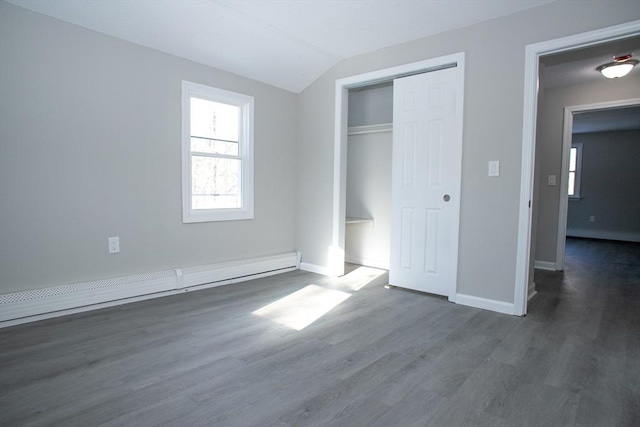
<point>217,154</point>
<point>575,164</point>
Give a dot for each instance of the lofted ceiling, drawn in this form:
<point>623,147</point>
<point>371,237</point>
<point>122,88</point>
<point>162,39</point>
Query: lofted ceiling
<point>284,43</point>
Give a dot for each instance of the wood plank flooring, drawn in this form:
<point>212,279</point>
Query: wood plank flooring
<point>379,358</point>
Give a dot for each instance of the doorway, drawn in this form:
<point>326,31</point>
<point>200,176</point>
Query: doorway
<point>368,200</point>
<point>524,285</point>
<point>616,116</point>
<point>337,250</point>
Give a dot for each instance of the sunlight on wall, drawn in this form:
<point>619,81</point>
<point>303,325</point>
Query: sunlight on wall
<point>301,308</point>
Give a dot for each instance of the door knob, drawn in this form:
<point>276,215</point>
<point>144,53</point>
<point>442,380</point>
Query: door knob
<point>446,198</point>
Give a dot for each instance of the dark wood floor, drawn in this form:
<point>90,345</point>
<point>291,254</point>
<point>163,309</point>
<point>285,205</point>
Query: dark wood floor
<point>379,358</point>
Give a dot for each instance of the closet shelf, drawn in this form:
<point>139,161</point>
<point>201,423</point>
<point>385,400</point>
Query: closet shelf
<point>356,220</point>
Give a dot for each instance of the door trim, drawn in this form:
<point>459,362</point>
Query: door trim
<point>336,250</point>
<point>567,137</point>
<point>532,56</point>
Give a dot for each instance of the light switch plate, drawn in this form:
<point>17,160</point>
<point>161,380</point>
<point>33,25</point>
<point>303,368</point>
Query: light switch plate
<point>494,168</point>
<point>551,180</point>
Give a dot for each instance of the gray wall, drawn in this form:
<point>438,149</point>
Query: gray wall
<point>610,184</point>
<point>549,148</point>
<point>371,105</point>
<point>90,148</point>
<point>492,131</point>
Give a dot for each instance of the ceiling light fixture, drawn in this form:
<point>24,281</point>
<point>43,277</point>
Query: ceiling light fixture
<point>620,67</point>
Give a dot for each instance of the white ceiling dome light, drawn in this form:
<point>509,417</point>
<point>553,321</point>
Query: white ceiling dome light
<point>620,67</point>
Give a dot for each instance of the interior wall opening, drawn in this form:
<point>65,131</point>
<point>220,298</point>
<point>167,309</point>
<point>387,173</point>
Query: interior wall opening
<point>578,106</point>
<point>368,192</point>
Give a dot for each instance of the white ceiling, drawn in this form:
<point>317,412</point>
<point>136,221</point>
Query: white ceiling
<point>579,66</point>
<point>284,43</point>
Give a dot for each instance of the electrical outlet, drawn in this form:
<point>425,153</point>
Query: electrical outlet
<point>551,180</point>
<point>114,245</point>
<point>494,168</point>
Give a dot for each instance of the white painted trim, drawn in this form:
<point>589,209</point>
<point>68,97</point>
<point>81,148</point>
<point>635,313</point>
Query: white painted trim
<point>604,234</point>
<point>532,291</point>
<point>363,130</point>
<point>532,55</point>
<point>567,137</point>
<point>212,273</point>
<point>82,309</point>
<point>336,251</point>
<point>246,104</point>
<point>544,265</point>
<point>29,306</point>
<point>484,303</point>
<point>313,268</point>
<point>577,184</point>
<point>368,262</point>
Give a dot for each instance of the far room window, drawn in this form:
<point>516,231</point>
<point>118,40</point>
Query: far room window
<point>575,165</point>
<point>217,154</point>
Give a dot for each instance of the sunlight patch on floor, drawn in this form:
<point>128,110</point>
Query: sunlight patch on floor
<point>360,277</point>
<point>303,307</point>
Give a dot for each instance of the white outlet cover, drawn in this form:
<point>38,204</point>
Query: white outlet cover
<point>551,180</point>
<point>114,245</point>
<point>494,168</point>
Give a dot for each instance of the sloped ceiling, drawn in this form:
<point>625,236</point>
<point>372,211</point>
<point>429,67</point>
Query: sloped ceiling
<point>285,43</point>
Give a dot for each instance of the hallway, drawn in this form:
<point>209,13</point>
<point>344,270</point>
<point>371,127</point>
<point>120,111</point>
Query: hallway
<point>594,310</point>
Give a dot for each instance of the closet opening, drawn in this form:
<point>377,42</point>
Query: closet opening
<point>368,192</point>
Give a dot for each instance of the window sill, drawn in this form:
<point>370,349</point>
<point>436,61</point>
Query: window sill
<point>206,215</point>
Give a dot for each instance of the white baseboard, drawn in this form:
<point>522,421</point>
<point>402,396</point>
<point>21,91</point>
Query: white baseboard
<point>29,306</point>
<point>367,262</point>
<point>485,304</point>
<point>545,265</point>
<point>607,235</point>
<point>532,291</point>
<point>313,268</point>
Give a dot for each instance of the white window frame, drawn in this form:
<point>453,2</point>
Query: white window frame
<point>245,153</point>
<point>578,172</point>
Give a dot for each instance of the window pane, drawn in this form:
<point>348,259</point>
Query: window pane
<point>215,183</point>
<point>214,120</point>
<point>572,183</point>
<point>214,146</point>
<point>572,159</point>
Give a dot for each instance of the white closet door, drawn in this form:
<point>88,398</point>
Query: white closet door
<point>426,175</point>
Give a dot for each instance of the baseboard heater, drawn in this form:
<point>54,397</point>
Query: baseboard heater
<point>33,305</point>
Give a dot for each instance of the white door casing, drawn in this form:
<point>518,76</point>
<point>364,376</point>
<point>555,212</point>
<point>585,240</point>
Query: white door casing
<point>426,177</point>
<point>567,137</point>
<point>533,52</point>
